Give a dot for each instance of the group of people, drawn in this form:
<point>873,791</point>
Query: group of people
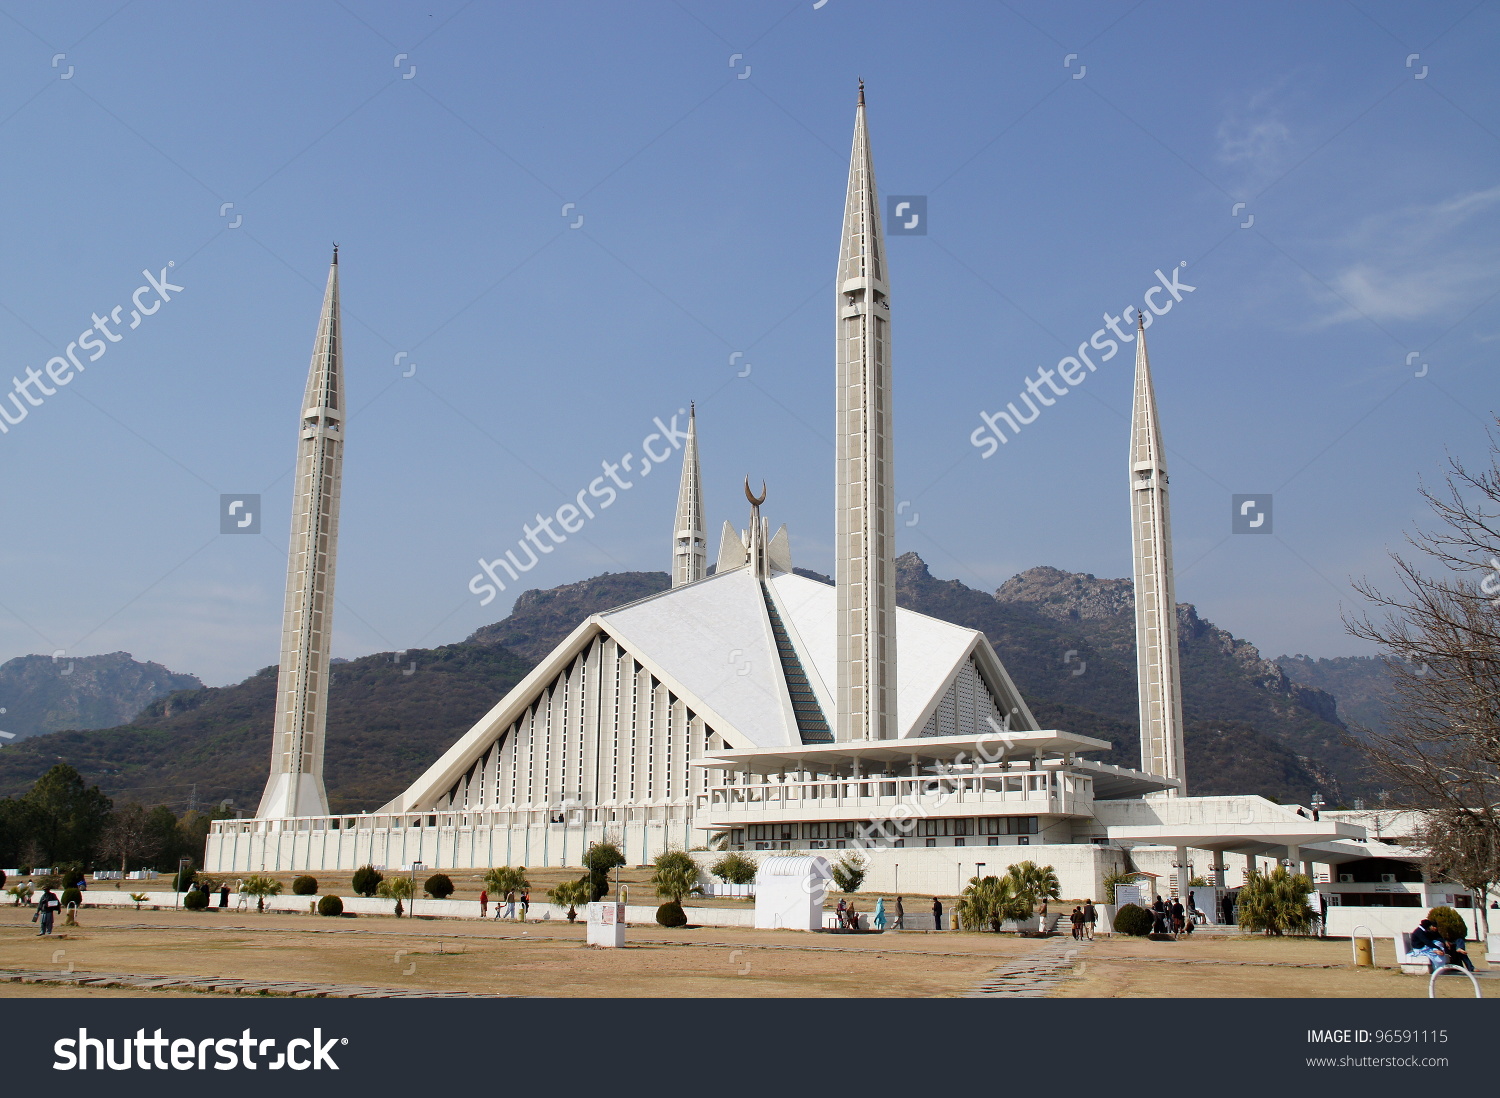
<point>1428,943</point>
<point>1173,918</point>
<point>848,917</point>
<point>1083,919</point>
<point>505,909</point>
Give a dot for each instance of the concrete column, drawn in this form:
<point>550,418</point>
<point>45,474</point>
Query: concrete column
<point>1218,869</point>
<point>1293,855</point>
<point>1182,872</point>
<point>1249,863</point>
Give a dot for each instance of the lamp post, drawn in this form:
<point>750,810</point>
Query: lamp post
<point>415,868</point>
<point>898,878</point>
<point>177,882</point>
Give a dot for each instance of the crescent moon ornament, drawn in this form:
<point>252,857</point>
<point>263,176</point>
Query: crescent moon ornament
<point>751,497</point>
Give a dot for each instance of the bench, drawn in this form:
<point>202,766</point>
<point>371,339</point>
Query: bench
<point>1411,966</point>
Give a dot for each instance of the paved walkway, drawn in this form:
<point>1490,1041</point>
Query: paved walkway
<point>219,986</point>
<point>1035,975</point>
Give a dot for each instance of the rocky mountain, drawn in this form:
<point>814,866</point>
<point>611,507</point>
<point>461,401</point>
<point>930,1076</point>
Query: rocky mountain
<point>41,694</point>
<point>1066,638</point>
<point>1361,683</point>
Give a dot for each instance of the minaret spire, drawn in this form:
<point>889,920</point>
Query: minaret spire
<point>865,521</point>
<point>1158,668</point>
<point>295,787</point>
<point>689,538</point>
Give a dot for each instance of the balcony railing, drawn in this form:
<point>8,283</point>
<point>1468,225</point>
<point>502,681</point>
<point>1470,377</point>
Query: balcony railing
<point>1030,791</point>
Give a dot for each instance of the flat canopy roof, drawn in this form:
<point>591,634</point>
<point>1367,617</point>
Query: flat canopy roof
<point>1239,838</point>
<point>961,750</point>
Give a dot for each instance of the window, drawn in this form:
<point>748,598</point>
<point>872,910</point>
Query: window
<point>993,840</point>
<point>1023,840</point>
<point>932,842</point>
<point>958,841</point>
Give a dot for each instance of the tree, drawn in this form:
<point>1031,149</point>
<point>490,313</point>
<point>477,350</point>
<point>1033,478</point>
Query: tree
<point>849,871</point>
<point>505,879</point>
<point>735,868</point>
<point>439,886</point>
<point>1275,903</point>
<point>990,901</point>
<point>676,875</point>
<point>1033,883</point>
<point>1440,752</point>
<point>366,880</point>
<point>396,888</point>
<point>570,894</point>
<point>67,817</point>
<point>600,858</point>
<point>129,837</point>
<point>1463,849</point>
<point>260,887</point>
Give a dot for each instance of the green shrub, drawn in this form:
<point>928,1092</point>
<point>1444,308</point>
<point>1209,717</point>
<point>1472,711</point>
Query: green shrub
<point>73,896</point>
<point>439,886</point>
<point>1276,902</point>
<point>367,880</point>
<point>570,894</point>
<point>600,858</point>
<point>676,876</point>
<point>184,879</point>
<point>849,871</point>
<point>734,868</point>
<point>330,905</point>
<point>196,900</point>
<point>1450,924</point>
<point>1133,919</point>
<point>671,914</point>
<point>3,878</point>
<point>305,886</point>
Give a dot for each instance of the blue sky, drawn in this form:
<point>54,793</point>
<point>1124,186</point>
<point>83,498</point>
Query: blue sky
<point>710,188</point>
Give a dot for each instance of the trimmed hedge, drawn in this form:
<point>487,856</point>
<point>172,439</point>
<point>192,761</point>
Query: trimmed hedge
<point>1450,923</point>
<point>367,880</point>
<point>74,896</point>
<point>439,886</point>
<point>671,914</point>
<point>1133,919</point>
<point>330,906</point>
<point>196,900</point>
<point>305,886</point>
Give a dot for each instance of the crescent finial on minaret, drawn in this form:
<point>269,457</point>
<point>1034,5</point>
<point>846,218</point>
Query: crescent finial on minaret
<point>335,252</point>
<point>751,496</point>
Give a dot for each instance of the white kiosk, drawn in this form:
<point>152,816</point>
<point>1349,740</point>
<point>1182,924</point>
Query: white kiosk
<point>789,893</point>
<point>606,924</point>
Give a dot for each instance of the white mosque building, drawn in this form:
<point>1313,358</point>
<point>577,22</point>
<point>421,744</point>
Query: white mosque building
<point>757,709</point>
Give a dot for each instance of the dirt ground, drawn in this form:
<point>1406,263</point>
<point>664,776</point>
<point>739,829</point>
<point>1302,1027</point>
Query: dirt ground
<point>550,959</point>
<point>546,959</point>
<point>1252,967</point>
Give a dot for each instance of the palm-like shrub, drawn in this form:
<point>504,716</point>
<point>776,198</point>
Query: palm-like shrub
<point>396,888</point>
<point>599,859</point>
<point>676,875</point>
<point>735,868</point>
<point>439,886</point>
<point>1450,924</point>
<point>507,878</point>
<point>1276,903</point>
<point>260,888</point>
<point>330,906</point>
<point>366,880</point>
<point>139,898</point>
<point>849,871</point>
<point>1033,883</point>
<point>305,886</point>
<point>990,901</point>
<point>1133,919</point>
<point>570,894</point>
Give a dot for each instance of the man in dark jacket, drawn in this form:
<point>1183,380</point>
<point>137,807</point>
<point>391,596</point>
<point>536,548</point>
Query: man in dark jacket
<point>937,914</point>
<point>47,907</point>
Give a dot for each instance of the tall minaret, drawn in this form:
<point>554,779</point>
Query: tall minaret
<point>295,787</point>
<point>865,495</point>
<point>1158,671</point>
<point>689,539</point>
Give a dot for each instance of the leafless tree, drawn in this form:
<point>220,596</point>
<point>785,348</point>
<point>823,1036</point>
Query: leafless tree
<point>1465,849</point>
<point>1441,752</point>
<point>129,837</point>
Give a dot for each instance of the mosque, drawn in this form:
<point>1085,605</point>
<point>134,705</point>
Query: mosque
<point>756,709</point>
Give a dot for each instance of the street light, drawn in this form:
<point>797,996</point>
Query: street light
<point>415,867</point>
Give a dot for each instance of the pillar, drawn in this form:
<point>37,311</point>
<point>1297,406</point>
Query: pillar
<point>1218,869</point>
<point>1182,872</point>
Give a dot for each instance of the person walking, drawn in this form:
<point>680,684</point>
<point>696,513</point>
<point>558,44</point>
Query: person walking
<point>843,914</point>
<point>900,915</point>
<point>1179,916</point>
<point>47,907</point>
<point>879,919</point>
<point>1076,918</point>
<point>853,916</point>
<point>1158,916</point>
<point>510,905</point>
<point>525,904</point>
<point>1090,918</point>
<point>937,914</point>
<point>484,902</point>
